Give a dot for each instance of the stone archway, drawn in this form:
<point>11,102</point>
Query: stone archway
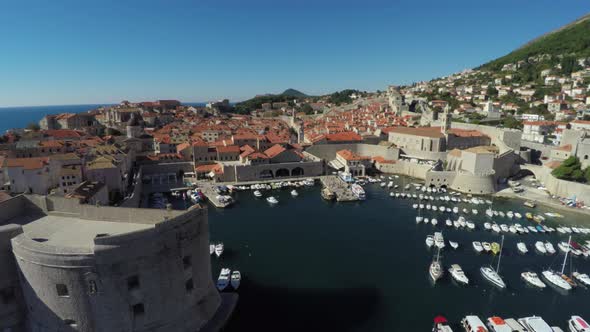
<point>281,173</point>
<point>297,171</point>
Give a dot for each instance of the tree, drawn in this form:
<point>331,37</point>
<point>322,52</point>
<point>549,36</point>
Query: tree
<point>587,174</point>
<point>511,122</point>
<point>33,126</point>
<point>571,170</point>
<point>307,109</point>
<point>491,91</point>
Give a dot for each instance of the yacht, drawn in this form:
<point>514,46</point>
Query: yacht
<point>272,200</point>
<point>436,271</point>
<point>563,246</point>
<point>582,277</point>
<point>497,324</point>
<point>522,247</point>
<point>549,247</point>
<point>219,249</point>
<point>540,246</point>
<point>294,193</point>
<point>236,277</point>
<point>441,325</point>
<point>454,245</point>
<point>557,279</point>
<point>486,246</point>
<point>533,279</point>
<point>358,191</point>
<point>223,279</point>
<point>535,324</point>
<point>429,241</point>
<point>458,274</point>
<point>477,246</point>
<point>257,193</point>
<point>578,324</point>
<point>473,324</point>
<point>492,275</point>
<point>439,240</point>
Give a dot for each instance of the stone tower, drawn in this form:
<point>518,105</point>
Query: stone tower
<point>445,120</point>
<point>133,127</point>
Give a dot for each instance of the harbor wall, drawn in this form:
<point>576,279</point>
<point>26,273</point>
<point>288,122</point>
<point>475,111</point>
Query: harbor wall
<point>403,167</point>
<point>244,173</point>
<point>559,187</point>
<point>462,181</point>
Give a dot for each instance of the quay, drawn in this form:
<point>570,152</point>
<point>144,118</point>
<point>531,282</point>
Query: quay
<point>340,188</point>
<point>208,188</point>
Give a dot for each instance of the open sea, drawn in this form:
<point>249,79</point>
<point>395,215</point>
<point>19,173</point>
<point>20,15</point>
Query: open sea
<point>312,265</point>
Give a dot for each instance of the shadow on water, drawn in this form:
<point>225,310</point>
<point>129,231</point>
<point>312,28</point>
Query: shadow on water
<point>263,308</point>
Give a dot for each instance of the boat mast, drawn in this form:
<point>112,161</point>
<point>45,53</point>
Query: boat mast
<point>565,257</point>
<point>500,256</point>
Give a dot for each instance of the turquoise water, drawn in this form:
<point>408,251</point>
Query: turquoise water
<point>312,265</point>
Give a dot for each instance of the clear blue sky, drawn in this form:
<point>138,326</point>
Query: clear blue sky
<point>69,52</point>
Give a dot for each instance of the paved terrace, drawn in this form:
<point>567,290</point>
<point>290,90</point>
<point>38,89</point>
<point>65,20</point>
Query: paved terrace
<point>340,188</point>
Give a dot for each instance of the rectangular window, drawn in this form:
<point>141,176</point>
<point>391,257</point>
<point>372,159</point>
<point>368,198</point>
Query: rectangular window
<point>62,290</point>
<point>133,282</point>
<point>186,262</point>
<point>138,309</point>
<point>189,285</point>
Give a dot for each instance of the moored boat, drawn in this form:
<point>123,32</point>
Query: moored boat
<point>458,274</point>
<point>477,246</point>
<point>224,279</point>
<point>522,247</point>
<point>578,324</point>
<point>219,249</point>
<point>533,279</point>
<point>236,278</point>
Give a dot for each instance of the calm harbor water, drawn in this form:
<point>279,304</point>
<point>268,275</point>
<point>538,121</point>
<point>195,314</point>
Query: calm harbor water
<point>313,265</point>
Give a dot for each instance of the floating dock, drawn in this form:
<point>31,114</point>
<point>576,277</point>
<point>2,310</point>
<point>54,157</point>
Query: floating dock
<point>342,189</point>
<point>211,193</point>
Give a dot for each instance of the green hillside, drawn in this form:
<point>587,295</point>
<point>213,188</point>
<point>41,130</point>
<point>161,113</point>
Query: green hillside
<point>294,93</point>
<point>573,39</point>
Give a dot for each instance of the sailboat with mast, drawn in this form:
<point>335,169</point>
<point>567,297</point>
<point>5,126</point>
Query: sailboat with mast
<point>492,275</point>
<point>436,270</point>
<point>557,279</point>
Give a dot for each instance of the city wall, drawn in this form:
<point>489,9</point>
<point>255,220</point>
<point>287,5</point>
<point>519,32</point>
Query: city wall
<point>505,139</point>
<point>559,187</point>
<point>328,151</point>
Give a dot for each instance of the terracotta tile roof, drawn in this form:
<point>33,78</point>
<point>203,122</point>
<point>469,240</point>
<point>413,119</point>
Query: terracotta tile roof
<point>567,147</point>
<point>581,122</point>
<point>539,123</point>
<point>343,136</point>
<point>381,160</point>
<point>63,133</point>
<point>349,155</point>
<point>257,155</point>
<point>228,149</point>
<point>205,168</point>
<point>27,163</point>
<point>465,133</point>
<point>275,150</point>
<point>182,146</point>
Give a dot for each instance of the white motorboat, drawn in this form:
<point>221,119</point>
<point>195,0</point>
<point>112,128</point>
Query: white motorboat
<point>358,191</point>
<point>465,211</point>
<point>533,279</point>
<point>470,225</point>
<point>549,248</point>
<point>489,212</point>
<point>582,277</point>
<point>522,247</point>
<point>433,221</point>
<point>496,228</point>
<point>441,208</point>
<point>535,324</point>
<point>456,224</point>
<point>435,270</point>
<point>211,249</point>
<point>540,246</point>
<point>458,274</point>
<point>272,200</point>
<point>454,245</point>
<point>504,228</point>
<point>512,229</point>
<point>419,219</point>
<point>224,279</point>
<point>415,206</point>
<point>426,220</point>
<point>448,222</point>
<point>501,213</point>
<point>477,246</point>
<point>219,249</point>
<point>429,241</point>
<point>517,215</point>
<point>474,211</point>
<point>236,277</point>
<point>492,275</point>
<point>427,206</point>
<point>294,193</point>
<point>532,229</point>
<point>563,246</point>
<point>578,324</point>
<point>487,225</point>
<point>257,193</point>
<point>486,246</point>
<point>439,240</point>
<point>510,214</point>
<point>473,324</point>
<point>455,209</point>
